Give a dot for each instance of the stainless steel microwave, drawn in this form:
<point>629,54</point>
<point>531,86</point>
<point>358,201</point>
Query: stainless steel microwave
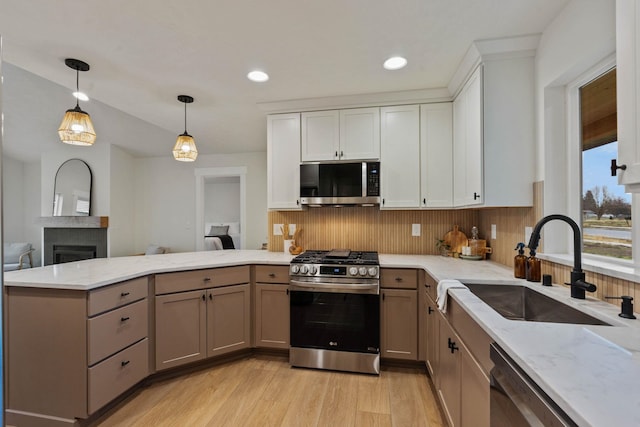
<point>340,184</point>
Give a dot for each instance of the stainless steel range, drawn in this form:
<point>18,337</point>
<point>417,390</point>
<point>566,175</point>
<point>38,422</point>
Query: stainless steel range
<point>335,310</point>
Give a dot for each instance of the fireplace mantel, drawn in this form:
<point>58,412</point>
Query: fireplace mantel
<point>74,221</point>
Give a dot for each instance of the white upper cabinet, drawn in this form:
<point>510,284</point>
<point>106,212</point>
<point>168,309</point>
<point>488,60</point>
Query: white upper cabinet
<point>494,128</point>
<point>352,134</point>
<point>467,143</point>
<point>283,161</point>
<point>360,134</point>
<point>436,155</point>
<point>628,98</point>
<point>320,136</point>
<point>400,157</point>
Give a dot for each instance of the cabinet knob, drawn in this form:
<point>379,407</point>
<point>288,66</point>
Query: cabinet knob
<point>272,274</point>
<point>124,363</point>
<point>398,279</point>
<point>207,279</point>
<point>341,153</point>
<point>615,166</point>
<point>336,154</point>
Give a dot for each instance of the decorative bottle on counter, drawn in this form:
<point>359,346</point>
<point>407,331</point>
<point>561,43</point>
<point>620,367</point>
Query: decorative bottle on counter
<point>532,272</point>
<point>473,242</point>
<point>520,262</point>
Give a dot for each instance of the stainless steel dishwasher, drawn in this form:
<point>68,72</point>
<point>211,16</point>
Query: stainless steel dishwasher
<point>518,401</point>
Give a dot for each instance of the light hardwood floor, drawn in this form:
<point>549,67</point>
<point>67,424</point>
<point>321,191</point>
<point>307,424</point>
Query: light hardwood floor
<point>265,391</point>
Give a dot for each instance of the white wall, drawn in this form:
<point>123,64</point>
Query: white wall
<point>121,203</point>
<point>222,200</point>
<point>581,36</point>
<point>165,199</point>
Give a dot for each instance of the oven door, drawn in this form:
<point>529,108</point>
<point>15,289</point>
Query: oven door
<point>335,321</point>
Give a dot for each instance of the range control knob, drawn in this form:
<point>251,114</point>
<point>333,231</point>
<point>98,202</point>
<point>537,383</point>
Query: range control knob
<point>353,271</point>
<point>295,268</point>
<point>304,269</point>
<point>373,271</point>
<point>313,269</point>
<point>363,271</point>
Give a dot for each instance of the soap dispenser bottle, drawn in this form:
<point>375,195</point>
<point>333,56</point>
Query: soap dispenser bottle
<point>520,262</point>
<point>532,272</point>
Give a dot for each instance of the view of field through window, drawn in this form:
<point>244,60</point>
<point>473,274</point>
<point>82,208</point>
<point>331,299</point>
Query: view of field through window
<point>606,208</point>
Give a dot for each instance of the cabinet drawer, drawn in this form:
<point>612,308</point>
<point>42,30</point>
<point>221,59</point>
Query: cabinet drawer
<point>118,373</point>
<point>430,285</point>
<point>272,273</point>
<point>402,278</point>
<point>117,329</point>
<point>181,281</point>
<point>103,299</point>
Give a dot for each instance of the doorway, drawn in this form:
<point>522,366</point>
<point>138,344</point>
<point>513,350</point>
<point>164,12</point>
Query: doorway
<point>221,199</point>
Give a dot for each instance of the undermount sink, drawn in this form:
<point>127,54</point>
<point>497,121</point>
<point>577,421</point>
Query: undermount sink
<point>517,302</point>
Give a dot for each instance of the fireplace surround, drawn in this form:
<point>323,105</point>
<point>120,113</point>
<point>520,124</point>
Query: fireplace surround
<point>68,239</point>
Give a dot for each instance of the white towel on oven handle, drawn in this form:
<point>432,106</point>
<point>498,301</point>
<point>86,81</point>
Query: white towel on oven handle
<point>443,287</point>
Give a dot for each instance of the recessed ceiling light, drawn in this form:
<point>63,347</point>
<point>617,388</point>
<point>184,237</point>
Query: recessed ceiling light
<point>395,63</point>
<point>81,96</point>
<point>258,76</point>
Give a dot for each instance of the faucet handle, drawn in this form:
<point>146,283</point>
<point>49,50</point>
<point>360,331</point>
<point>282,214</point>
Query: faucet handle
<point>626,306</point>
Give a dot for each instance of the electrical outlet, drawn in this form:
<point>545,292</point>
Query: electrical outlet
<point>415,230</point>
<point>494,233</point>
<point>277,229</point>
<point>527,234</point>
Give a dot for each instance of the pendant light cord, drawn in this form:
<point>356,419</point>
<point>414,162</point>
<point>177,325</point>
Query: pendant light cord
<point>185,117</point>
<point>77,87</point>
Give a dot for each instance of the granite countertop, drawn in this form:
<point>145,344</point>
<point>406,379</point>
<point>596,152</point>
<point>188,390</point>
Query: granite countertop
<point>591,372</point>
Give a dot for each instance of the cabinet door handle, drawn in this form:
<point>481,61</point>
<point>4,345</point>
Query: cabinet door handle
<point>452,345</point>
<point>336,154</point>
<point>203,297</point>
<point>124,294</point>
<point>476,196</point>
<point>615,166</point>
<point>287,291</point>
<point>430,310</point>
<point>341,154</point>
<point>207,279</point>
<point>398,279</point>
<point>124,363</point>
<point>124,319</point>
<point>427,285</point>
<point>383,296</point>
<point>211,297</point>
<point>272,274</point>
<point>424,201</point>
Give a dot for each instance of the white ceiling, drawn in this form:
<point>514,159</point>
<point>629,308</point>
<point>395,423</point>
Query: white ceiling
<point>144,53</point>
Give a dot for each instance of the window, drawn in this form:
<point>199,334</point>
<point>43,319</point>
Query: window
<point>606,208</point>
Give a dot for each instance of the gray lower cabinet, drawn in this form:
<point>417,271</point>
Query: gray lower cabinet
<point>70,352</point>
<point>399,314</point>
<point>458,361</point>
<point>210,320</point>
<point>271,306</point>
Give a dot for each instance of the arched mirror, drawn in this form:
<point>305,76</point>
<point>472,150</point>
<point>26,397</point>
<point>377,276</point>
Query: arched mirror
<point>72,190</point>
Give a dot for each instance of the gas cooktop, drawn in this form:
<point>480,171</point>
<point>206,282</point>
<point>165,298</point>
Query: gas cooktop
<point>337,257</point>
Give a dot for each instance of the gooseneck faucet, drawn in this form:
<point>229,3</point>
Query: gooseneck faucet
<point>578,284</point>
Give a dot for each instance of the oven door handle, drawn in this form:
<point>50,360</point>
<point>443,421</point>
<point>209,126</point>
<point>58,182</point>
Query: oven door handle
<point>366,288</point>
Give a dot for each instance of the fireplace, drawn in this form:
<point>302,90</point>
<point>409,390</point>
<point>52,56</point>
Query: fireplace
<point>70,253</point>
<point>68,244</point>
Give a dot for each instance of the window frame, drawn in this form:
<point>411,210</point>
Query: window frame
<point>574,178</point>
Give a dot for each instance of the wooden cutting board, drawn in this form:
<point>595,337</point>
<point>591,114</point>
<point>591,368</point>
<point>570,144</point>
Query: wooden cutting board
<point>456,239</point>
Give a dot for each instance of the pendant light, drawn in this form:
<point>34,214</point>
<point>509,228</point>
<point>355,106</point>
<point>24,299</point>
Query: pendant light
<point>185,149</point>
<point>76,127</point>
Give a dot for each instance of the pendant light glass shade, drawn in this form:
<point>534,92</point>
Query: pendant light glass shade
<point>76,127</point>
<point>185,149</point>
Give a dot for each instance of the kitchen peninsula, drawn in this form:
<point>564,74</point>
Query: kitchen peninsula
<point>587,370</point>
